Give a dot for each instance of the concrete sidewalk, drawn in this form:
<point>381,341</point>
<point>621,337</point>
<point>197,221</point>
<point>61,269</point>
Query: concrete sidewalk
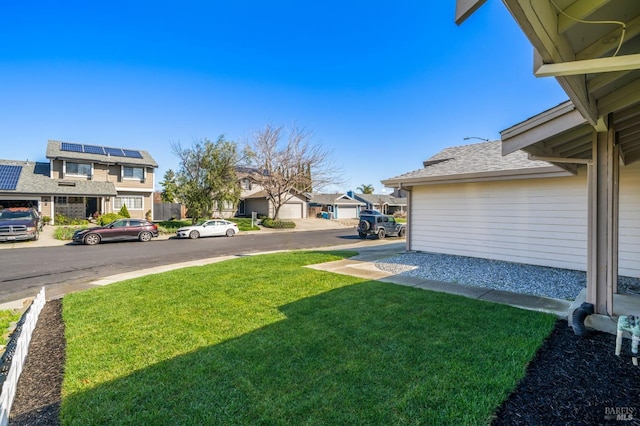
<point>362,266</point>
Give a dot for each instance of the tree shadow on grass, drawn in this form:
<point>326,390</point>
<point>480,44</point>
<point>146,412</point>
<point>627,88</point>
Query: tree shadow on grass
<point>369,353</point>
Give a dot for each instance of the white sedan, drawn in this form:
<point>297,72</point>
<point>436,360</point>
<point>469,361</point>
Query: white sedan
<point>209,228</point>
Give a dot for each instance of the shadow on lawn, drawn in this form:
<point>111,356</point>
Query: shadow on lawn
<point>369,353</point>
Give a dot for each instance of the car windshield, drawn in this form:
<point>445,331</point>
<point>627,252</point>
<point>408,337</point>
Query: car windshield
<point>15,215</point>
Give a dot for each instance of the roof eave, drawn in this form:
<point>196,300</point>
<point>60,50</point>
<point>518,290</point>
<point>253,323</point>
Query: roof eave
<point>528,173</point>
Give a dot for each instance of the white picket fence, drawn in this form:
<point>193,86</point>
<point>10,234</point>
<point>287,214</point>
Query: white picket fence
<point>22,347</point>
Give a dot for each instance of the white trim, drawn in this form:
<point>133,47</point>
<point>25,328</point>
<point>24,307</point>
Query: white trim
<point>531,173</point>
<point>129,189</point>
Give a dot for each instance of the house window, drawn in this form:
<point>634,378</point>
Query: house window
<point>132,203</point>
<point>61,201</point>
<point>78,169</point>
<point>133,173</point>
<point>245,184</point>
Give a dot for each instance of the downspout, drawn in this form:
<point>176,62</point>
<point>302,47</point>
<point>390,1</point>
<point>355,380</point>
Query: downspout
<point>408,234</point>
<point>578,318</point>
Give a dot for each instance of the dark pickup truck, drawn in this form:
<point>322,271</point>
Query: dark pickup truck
<point>20,223</point>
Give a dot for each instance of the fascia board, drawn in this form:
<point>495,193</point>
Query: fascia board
<point>532,173</point>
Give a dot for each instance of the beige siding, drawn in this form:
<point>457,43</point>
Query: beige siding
<point>629,237</point>
<point>535,221</point>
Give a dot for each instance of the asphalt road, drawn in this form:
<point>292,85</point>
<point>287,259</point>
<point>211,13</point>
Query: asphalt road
<point>71,267</point>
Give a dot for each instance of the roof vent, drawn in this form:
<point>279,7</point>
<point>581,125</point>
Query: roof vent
<point>428,163</point>
<point>66,183</point>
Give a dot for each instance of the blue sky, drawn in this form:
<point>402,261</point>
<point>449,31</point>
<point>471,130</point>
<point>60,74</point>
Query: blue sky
<point>382,85</point>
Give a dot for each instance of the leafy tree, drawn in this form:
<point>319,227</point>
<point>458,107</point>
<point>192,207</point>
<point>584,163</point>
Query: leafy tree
<point>207,179</point>
<point>365,189</point>
<point>286,163</point>
<point>169,187</point>
<point>124,212</point>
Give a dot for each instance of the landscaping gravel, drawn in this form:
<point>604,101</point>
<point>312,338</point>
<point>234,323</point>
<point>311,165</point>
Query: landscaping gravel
<point>521,278</point>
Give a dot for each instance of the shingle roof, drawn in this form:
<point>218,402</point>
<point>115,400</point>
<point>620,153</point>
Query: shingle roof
<point>54,151</point>
<point>34,179</point>
<point>382,199</point>
<point>333,199</point>
<point>476,159</point>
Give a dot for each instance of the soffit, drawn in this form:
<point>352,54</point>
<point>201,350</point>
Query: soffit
<point>594,59</point>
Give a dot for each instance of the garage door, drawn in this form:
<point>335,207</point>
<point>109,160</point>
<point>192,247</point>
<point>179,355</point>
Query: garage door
<point>290,211</point>
<point>347,212</point>
<point>6,203</point>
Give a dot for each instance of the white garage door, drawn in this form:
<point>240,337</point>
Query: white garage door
<point>290,211</point>
<point>347,212</point>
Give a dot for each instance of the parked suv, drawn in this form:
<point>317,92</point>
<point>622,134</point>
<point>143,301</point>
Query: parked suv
<point>20,223</point>
<point>380,225</point>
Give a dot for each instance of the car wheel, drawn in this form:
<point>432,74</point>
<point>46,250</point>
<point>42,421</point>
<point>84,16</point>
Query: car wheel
<point>363,226</point>
<point>91,239</point>
<point>145,236</point>
<point>230,233</point>
<point>402,232</point>
<point>381,234</point>
<point>362,235</point>
<point>194,234</point>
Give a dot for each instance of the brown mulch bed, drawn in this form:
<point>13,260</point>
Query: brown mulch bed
<point>38,397</point>
<point>570,381</point>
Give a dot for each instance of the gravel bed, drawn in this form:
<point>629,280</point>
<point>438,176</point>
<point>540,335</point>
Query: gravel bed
<point>521,278</point>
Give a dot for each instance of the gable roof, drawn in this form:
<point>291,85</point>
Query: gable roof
<point>476,162</point>
<point>334,199</point>
<point>34,180</point>
<point>54,151</point>
<point>382,199</point>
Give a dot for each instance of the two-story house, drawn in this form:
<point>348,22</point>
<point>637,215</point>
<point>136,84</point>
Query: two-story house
<point>81,180</point>
<point>253,198</point>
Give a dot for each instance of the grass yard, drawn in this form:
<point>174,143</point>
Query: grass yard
<point>263,340</point>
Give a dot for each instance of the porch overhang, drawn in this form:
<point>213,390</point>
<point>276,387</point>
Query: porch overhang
<point>592,49</point>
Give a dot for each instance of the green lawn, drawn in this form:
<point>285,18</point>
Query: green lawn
<point>263,340</point>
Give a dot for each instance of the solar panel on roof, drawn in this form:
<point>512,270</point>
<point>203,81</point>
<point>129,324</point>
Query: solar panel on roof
<point>116,152</point>
<point>132,153</point>
<point>9,176</point>
<point>93,149</point>
<point>72,147</point>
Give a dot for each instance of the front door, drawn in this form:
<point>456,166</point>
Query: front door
<point>91,207</point>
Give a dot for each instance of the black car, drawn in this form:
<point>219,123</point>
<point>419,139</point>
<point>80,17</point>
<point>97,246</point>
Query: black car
<point>380,225</point>
<point>118,230</point>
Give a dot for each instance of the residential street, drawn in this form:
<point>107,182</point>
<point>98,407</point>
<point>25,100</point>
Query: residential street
<point>71,267</point>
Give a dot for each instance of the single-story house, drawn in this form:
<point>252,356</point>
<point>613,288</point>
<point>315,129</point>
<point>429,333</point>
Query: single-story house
<point>384,203</point>
<point>473,201</point>
<point>336,206</point>
<point>81,180</point>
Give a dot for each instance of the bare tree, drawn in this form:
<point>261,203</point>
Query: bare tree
<point>287,163</point>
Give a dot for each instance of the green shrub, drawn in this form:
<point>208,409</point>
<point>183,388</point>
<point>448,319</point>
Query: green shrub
<point>108,218</point>
<point>46,220</point>
<point>64,220</point>
<point>278,224</point>
<point>124,212</point>
<point>65,233</point>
